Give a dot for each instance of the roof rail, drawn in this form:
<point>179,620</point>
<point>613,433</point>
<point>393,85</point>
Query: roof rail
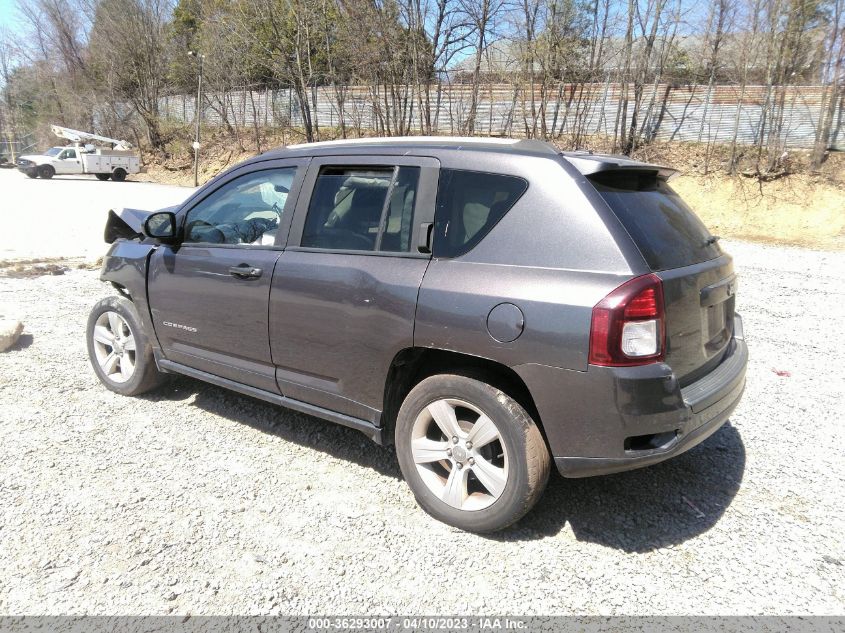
<point>442,141</point>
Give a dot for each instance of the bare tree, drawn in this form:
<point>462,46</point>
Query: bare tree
<point>834,79</point>
<point>129,52</point>
<point>481,14</point>
<point>556,69</point>
<point>8,106</point>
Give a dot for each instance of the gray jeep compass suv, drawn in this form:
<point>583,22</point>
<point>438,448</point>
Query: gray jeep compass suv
<point>490,307</point>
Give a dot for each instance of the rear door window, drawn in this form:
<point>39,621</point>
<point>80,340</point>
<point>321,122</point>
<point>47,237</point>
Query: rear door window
<point>362,209</point>
<point>469,205</point>
<point>664,228</point>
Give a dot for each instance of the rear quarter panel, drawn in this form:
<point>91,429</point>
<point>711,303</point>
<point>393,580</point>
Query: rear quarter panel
<point>457,297</point>
<point>552,255</point>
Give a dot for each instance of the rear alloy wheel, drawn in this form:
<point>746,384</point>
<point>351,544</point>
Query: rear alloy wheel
<point>450,466</point>
<point>102,176</point>
<point>46,172</point>
<point>471,454</point>
<point>118,175</point>
<point>118,349</point>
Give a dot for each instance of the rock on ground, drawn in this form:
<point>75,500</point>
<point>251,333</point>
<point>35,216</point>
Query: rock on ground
<point>10,332</point>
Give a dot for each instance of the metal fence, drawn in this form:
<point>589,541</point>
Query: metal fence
<point>24,144</point>
<point>686,113</point>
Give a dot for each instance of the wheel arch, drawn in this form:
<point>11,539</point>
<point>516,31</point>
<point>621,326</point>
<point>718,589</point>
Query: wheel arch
<point>412,365</point>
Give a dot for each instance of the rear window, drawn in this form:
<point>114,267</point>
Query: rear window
<point>664,228</point>
<point>469,204</point>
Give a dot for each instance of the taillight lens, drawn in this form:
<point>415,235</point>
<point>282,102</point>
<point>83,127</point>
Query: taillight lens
<point>628,325</point>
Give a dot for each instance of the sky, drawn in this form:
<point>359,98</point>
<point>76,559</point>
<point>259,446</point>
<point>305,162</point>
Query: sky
<point>8,14</point>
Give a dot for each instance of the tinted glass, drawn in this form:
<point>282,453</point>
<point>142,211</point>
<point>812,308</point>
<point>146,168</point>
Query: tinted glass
<point>664,228</point>
<point>246,210</point>
<point>69,153</point>
<point>399,221</point>
<point>362,209</point>
<point>469,204</point>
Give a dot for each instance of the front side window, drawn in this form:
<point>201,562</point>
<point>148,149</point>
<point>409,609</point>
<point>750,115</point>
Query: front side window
<point>247,210</point>
<point>362,209</point>
<point>68,153</point>
<point>469,205</point>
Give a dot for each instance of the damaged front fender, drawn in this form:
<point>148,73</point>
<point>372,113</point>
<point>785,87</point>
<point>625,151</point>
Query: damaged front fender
<point>125,267</point>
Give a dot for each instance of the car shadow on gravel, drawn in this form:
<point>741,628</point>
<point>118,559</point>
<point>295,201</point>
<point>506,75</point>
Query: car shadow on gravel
<point>637,511</point>
<point>332,439</point>
<point>646,509</point>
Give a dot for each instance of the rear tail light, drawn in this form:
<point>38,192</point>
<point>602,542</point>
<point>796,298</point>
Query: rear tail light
<point>628,325</point>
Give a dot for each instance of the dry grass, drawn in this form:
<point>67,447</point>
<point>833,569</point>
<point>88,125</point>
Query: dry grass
<point>800,209</point>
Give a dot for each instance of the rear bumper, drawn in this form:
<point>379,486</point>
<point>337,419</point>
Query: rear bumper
<point>701,427</point>
<point>626,418</point>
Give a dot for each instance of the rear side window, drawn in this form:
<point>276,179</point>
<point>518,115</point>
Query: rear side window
<point>469,205</point>
<point>664,228</point>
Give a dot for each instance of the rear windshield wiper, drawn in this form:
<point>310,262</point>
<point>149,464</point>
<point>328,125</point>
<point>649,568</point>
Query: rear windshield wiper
<point>711,240</point>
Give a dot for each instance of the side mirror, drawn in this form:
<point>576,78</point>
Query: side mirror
<point>161,226</point>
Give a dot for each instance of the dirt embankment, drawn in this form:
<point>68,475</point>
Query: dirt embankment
<point>803,208</point>
<point>800,209</point>
<point>219,151</point>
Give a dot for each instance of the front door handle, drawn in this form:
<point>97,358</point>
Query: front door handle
<point>245,271</point>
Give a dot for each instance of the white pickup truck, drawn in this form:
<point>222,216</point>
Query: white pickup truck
<point>103,163</point>
<point>115,163</point>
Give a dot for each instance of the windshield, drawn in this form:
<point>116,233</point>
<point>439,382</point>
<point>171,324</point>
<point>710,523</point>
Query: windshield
<point>53,151</point>
<point>664,228</point>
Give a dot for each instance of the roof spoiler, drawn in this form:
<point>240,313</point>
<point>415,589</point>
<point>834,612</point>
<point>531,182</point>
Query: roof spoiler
<point>589,164</point>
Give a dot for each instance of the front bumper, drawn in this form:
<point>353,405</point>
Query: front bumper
<point>26,166</point>
<point>617,419</point>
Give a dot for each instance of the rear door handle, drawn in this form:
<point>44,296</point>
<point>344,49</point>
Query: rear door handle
<point>245,271</point>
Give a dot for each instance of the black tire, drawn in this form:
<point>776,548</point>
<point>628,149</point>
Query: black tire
<point>145,375</point>
<point>31,173</point>
<point>528,458</point>
<point>118,175</point>
<point>102,176</point>
<point>46,172</point>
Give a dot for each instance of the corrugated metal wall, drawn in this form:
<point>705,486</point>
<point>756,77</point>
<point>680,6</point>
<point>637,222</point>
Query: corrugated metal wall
<point>667,113</point>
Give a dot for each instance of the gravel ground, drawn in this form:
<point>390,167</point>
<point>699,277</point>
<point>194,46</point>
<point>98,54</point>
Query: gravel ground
<point>197,500</point>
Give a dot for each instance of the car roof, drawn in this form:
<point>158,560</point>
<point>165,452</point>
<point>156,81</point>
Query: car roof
<point>412,144</point>
<point>585,162</point>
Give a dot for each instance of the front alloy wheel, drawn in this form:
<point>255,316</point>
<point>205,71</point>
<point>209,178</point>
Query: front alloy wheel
<point>119,350</point>
<point>114,347</point>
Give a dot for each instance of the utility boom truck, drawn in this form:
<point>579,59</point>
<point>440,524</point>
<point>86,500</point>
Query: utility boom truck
<point>82,157</point>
